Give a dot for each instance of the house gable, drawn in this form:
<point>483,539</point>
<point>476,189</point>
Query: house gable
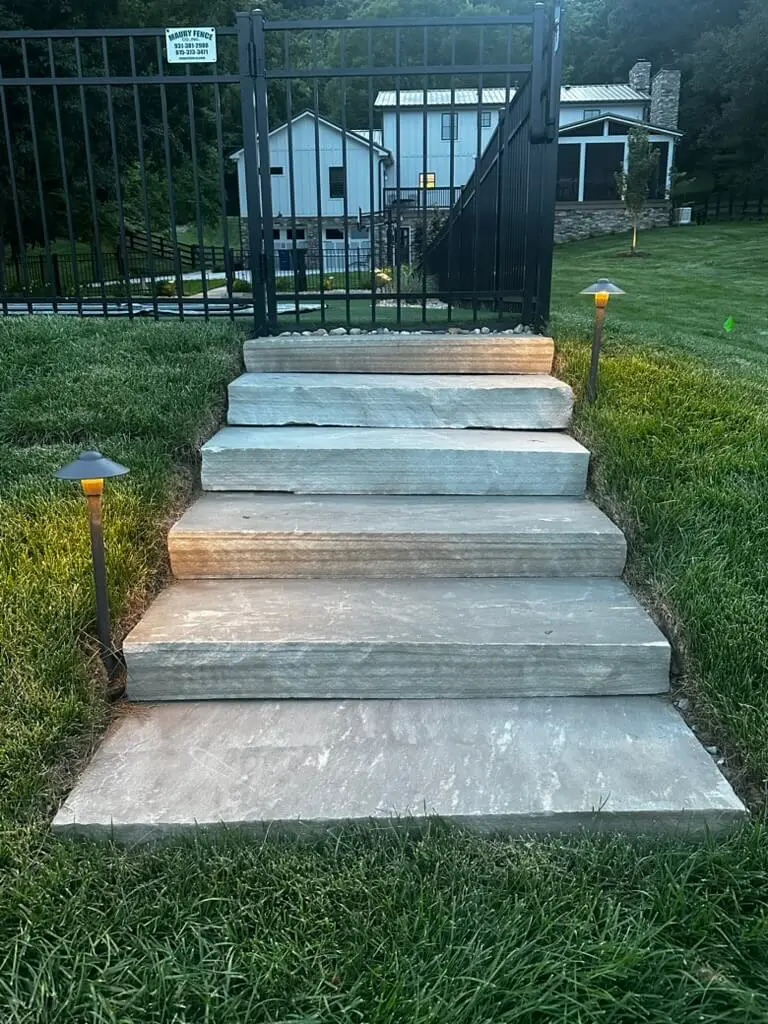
<point>307,118</point>
<point>598,123</point>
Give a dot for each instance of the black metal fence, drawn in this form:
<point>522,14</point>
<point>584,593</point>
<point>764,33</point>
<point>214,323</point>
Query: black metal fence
<point>119,170</point>
<point>496,245</point>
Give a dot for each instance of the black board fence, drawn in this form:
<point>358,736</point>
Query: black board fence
<point>730,205</point>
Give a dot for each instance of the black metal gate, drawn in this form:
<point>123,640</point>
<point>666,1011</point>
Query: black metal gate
<point>308,178</point>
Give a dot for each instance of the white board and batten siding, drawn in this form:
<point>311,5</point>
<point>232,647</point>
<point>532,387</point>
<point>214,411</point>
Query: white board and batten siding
<point>438,162</point>
<point>331,152</point>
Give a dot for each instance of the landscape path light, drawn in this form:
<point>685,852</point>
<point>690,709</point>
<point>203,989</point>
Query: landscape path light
<point>602,290</point>
<point>91,469</point>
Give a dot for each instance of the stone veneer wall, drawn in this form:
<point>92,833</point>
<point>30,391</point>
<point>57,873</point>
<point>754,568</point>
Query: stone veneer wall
<point>579,220</point>
<point>311,238</point>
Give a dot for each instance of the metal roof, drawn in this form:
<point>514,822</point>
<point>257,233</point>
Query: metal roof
<point>601,94</point>
<point>497,97</point>
<point>441,97</point>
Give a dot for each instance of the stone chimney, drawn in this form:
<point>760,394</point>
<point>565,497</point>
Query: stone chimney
<point>640,76</point>
<point>665,98</point>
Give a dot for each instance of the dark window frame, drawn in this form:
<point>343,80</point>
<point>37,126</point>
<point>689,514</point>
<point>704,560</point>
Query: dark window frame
<point>337,184</point>
<point>485,119</point>
<point>424,180</point>
<point>276,170</point>
<point>449,126</point>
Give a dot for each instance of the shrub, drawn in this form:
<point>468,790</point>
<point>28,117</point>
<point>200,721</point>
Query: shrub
<point>166,289</point>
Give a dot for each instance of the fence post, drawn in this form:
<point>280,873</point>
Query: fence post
<point>247,56</point>
<point>57,274</point>
<point>539,177</point>
<point>262,138</point>
<point>228,269</point>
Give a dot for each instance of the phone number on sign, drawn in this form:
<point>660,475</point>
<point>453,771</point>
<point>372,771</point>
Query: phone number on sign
<point>190,49</point>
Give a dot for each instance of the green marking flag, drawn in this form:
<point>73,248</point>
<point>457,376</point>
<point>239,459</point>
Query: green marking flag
<point>729,325</point>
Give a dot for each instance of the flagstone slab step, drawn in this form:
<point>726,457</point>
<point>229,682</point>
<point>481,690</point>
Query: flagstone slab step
<point>209,639</point>
<point>242,534</point>
<point>363,460</point>
<point>401,353</point>
<point>511,401</point>
<point>607,764</point>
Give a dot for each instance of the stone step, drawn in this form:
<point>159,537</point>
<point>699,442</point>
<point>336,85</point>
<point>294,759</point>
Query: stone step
<point>401,353</point>
<point>511,401</point>
<point>383,638</point>
<point>363,460</point>
<point>606,764</point>
<point>237,535</point>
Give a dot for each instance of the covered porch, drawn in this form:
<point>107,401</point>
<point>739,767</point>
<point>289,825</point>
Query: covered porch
<point>591,152</point>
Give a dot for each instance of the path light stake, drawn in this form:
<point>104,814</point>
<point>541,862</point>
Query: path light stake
<point>91,469</point>
<point>602,290</point>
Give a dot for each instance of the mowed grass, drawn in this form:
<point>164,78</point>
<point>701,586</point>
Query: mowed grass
<point>679,294</point>
<point>371,926</point>
<point>680,453</point>
<point>367,925</point>
<point>145,394</point>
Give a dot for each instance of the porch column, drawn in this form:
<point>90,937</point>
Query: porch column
<point>582,169</point>
<point>670,162</point>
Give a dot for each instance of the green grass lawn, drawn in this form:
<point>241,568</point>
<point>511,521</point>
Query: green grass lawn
<point>680,294</point>
<point>370,926</point>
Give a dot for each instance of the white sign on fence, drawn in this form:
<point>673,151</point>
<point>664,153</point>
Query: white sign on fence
<point>191,45</point>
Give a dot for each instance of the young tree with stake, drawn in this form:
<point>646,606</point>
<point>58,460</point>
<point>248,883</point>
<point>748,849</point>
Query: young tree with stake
<point>634,181</point>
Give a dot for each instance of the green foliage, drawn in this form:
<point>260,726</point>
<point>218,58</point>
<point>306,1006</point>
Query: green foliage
<point>146,394</point>
<point>680,442</point>
<point>634,183</point>
<point>381,927</point>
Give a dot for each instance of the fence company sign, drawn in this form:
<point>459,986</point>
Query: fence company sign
<point>191,45</point>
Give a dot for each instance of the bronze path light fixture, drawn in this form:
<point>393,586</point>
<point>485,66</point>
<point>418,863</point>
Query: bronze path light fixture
<point>91,469</point>
<point>602,290</point>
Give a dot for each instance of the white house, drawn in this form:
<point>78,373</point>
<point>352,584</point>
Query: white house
<point>430,140</point>
<point>306,138</point>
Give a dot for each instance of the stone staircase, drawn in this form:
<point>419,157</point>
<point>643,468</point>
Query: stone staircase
<point>393,599</point>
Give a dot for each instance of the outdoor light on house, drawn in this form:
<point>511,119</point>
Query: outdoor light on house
<point>602,291</point>
<point>91,469</point>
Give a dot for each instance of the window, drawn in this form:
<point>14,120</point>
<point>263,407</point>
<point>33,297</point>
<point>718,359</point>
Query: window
<point>300,234</point>
<point>449,126</point>
<point>276,234</point>
<point>485,119</point>
<point>334,234</point>
<point>428,180</point>
<point>275,170</point>
<point>336,182</point>
<point>591,112</point>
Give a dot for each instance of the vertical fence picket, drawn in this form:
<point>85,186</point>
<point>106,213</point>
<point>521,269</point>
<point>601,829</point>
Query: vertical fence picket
<point>160,158</point>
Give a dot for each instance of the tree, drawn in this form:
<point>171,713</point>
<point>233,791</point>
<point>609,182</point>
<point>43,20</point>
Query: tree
<point>634,181</point>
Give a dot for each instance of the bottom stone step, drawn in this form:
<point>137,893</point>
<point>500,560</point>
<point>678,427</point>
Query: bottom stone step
<point>626,764</point>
